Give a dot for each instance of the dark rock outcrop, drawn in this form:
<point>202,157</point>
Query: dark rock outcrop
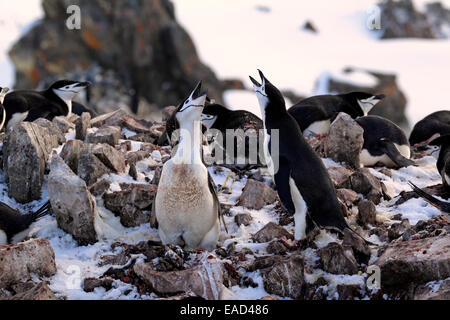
<point>130,48</point>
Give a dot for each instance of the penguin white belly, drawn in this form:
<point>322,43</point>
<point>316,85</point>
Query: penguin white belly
<point>301,210</point>
<point>319,127</point>
<point>185,208</point>
<point>3,238</point>
<point>20,237</point>
<point>368,160</point>
<point>17,118</point>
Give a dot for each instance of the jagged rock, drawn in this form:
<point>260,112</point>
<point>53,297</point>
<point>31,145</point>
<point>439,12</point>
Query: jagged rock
<point>417,261</point>
<point>337,259</point>
<point>363,182</point>
<point>243,219</point>
<point>100,187</point>
<point>90,284</point>
<point>110,119</point>
<point>131,203</point>
<point>348,292</point>
<point>90,168</point>
<point>82,124</point>
<point>270,232</point>
<point>108,135</point>
<point>277,248</point>
<point>361,250</point>
<point>367,213</point>
<point>71,153</point>
<point>339,175</point>
<point>433,291</point>
<point>74,207</point>
<point>35,292</point>
<point>286,278</point>
<point>256,195</point>
<point>20,262</point>
<point>345,141</point>
<point>52,128</point>
<point>348,197</point>
<point>110,157</point>
<point>157,176</point>
<point>26,149</point>
<point>398,229</point>
<point>63,124</point>
<point>205,281</point>
<point>393,107</point>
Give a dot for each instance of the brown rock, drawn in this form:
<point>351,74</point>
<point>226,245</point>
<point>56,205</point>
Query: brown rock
<point>37,292</point>
<point>361,249</point>
<point>256,195</point>
<point>433,291</point>
<point>52,128</point>
<point>348,197</point>
<point>107,135</point>
<point>367,213</point>
<point>345,141</point>
<point>20,262</point>
<point>82,124</point>
<point>271,232</point>
<point>100,187</point>
<point>63,124</point>
<point>205,281</point>
<point>243,219</point>
<point>339,175</point>
<point>337,259</point>
<point>90,284</point>
<point>110,157</point>
<point>417,261</point>
<point>90,168</point>
<point>277,248</point>
<point>286,278</point>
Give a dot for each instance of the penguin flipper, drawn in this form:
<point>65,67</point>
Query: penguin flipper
<point>282,182</point>
<point>440,205</point>
<point>213,189</point>
<point>392,152</point>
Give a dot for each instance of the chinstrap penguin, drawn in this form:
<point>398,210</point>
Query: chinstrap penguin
<point>315,115</point>
<point>384,143</point>
<point>430,127</point>
<point>302,181</point>
<point>443,163</point>
<point>186,206</point>
<point>14,226</point>
<point>29,105</point>
<point>218,117</point>
<point>3,92</point>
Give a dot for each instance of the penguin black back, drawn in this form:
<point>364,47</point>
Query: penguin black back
<point>315,114</point>
<point>443,163</point>
<point>29,105</point>
<point>435,123</point>
<point>298,163</point>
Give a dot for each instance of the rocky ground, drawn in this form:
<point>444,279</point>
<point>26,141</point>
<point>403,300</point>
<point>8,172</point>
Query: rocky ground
<point>101,176</point>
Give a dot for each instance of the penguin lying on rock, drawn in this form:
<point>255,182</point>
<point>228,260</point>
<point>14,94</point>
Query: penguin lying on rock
<point>29,105</point>
<point>14,226</point>
<point>302,181</point>
<point>315,115</point>
<point>384,142</point>
<point>3,92</point>
<point>186,206</point>
<point>430,127</point>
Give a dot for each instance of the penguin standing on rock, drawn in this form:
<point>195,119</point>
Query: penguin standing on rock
<point>186,206</point>
<point>384,143</point>
<point>14,226</point>
<point>28,105</point>
<point>3,92</point>
<point>303,183</point>
<point>315,115</point>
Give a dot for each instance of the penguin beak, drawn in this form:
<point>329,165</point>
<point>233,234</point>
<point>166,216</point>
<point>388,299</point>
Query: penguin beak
<point>197,93</point>
<point>380,97</point>
<point>258,85</point>
<point>83,84</point>
<point>255,83</point>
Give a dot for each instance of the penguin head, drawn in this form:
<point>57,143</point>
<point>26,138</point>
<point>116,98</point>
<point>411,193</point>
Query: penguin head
<point>191,109</point>
<point>211,113</point>
<point>363,102</point>
<point>3,92</point>
<point>268,95</point>
<point>68,89</point>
